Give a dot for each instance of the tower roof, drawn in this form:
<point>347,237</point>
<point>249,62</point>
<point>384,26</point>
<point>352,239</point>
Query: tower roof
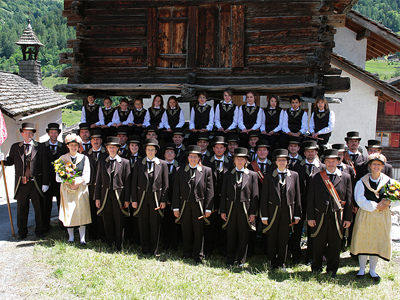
<point>29,38</point>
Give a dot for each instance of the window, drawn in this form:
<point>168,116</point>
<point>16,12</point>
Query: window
<point>388,139</point>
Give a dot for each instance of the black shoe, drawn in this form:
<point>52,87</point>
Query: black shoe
<point>377,278</point>
<point>295,261</point>
<point>40,235</point>
<point>83,244</point>
<point>360,276</point>
<point>186,257</point>
<point>198,261</point>
<point>309,262</point>
<point>334,275</point>
<point>22,236</point>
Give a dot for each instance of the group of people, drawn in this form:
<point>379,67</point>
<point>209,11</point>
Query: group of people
<point>140,183</point>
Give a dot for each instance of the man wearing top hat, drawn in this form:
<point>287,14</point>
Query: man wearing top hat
<point>233,142</point>
<point>307,168</point>
<point>177,138</point>
<point>151,133</point>
<point>353,143</point>
<point>329,212</point>
<point>342,166</point>
<point>294,148</point>
<point>149,193</point>
<point>254,136</point>
<point>31,178</point>
<point>112,192</point>
<point>84,133</point>
<point>373,146</point>
<point>220,166</point>
<point>239,205</point>
<point>95,154</point>
<point>203,142</point>
<point>192,203</point>
<point>122,135</point>
<point>54,149</point>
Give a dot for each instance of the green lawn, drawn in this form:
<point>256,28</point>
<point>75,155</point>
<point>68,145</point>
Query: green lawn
<point>94,273</point>
<point>71,117</point>
<point>386,70</point>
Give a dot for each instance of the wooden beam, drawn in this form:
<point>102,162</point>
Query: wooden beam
<point>192,37</point>
<point>363,34</point>
<point>152,37</point>
<point>325,6</point>
<point>237,36</point>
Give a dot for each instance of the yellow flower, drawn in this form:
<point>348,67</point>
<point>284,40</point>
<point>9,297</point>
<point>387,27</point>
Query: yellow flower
<point>392,188</point>
<point>62,173</point>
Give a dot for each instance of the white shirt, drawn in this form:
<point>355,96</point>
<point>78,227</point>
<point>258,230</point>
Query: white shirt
<point>324,130</point>
<point>210,124</point>
<point>164,120</point>
<point>285,122</point>
<point>101,116</point>
<point>217,117</point>
<point>116,119</point>
<point>258,122</point>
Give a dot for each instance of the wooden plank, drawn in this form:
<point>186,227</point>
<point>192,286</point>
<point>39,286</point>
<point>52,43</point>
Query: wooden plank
<point>179,12</point>
<point>192,36</point>
<point>107,50</point>
<point>336,84</point>
<point>133,61</point>
<point>152,37</point>
<point>237,36</point>
<point>281,8</point>
<point>292,35</point>
<point>287,22</point>
<point>334,20</point>
<point>283,59</point>
<point>224,36</point>
<point>179,38</point>
<point>208,36</point>
<point>283,49</point>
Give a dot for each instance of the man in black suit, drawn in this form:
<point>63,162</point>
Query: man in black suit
<point>192,202</point>
<point>353,143</point>
<point>254,136</point>
<point>233,142</point>
<point>239,205</point>
<point>329,212</point>
<point>294,148</point>
<point>280,206</point>
<point>31,178</point>
<point>54,149</point>
<point>306,169</point>
<point>177,138</point>
<point>342,166</point>
<point>203,143</point>
<point>95,154</point>
<point>84,133</point>
<point>112,194</point>
<point>220,166</point>
<point>122,135</point>
<point>149,195</point>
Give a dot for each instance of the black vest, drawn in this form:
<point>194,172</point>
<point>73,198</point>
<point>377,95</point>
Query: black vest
<point>294,119</point>
<point>123,115</point>
<point>321,120</point>
<point>250,120</point>
<point>272,118</point>
<point>173,117</point>
<point>226,117</point>
<point>370,195</point>
<point>201,119</point>
<point>155,116</point>
<point>92,113</point>
<point>138,116</point>
<point>108,115</point>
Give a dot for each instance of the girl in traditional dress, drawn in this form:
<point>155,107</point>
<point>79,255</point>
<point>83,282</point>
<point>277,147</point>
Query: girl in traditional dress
<point>172,119</point>
<point>322,121</point>
<point>74,201</point>
<point>371,234</point>
<point>250,118</point>
<point>271,126</point>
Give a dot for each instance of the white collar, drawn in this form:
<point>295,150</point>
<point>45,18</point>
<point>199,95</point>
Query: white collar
<point>172,108</point>
<point>218,159</point>
<point>241,170</point>
<point>329,173</point>
<point>229,103</point>
<point>139,109</point>
<point>311,163</point>
<point>107,108</point>
<point>262,162</point>
<point>195,167</point>
<point>321,110</point>
<point>281,172</point>
<point>156,107</point>
<point>352,153</point>
<point>86,143</point>
<point>375,180</point>
<point>30,143</point>
<point>294,109</point>
<point>296,157</point>
<point>248,105</point>
<point>50,143</point>
<point>151,159</point>
<point>204,153</point>
<point>178,147</point>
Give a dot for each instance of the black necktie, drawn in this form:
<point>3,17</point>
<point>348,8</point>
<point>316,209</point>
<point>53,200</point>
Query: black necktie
<point>26,148</point>
<point>282,175</point>
<point>239,175</point>
<point>340,167</point>
<point>218,164</point>
<point>262,167</point>
<point>192,171</point>
<point>149,165</point>
<point>331,177</point>
<point>293,160</point>
<point>226,106</point>
<point>252,155</point>
<point>73,159</point>
<point>170,167</point>
<point>112,165</point>
<point>309,166</point>
<point>53,148</point>
<point>354,157</point>
<point>96,155</point>
<point>86,146</point>
<point>201,108</point>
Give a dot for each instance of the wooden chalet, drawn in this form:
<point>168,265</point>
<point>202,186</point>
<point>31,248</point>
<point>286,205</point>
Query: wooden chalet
<point>180,47</point>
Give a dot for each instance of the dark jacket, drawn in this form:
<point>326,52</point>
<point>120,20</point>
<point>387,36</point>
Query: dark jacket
<point>95,163</point>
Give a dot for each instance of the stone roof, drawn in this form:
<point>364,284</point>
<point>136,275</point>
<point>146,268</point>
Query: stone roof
<point>28,37</point>
<point>19,96</point>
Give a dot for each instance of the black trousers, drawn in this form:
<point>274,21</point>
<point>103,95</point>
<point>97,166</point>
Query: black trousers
<point>169,230</point>
<point>328,234</point>
<point>149,225</point>
<point>53,191</point>
<point>96,228</point>
<point>25,192</point>
<point>131,228</point>
<point>214,235</point>
<point>238,232</point>
<point>278,237</point>
<point>192,231</point>
<point>113,220</point>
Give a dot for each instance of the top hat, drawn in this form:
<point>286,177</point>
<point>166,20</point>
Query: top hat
<point>294,140</point>
<point>28,126</point>
<point>151,128</point>
<point>151,142</point>
<point>203,136</point>
<point>113,140</point>
<point>96,133</point>
<point>339,147</point>
<point>122,130</point>
<point>219,140</point>
<point>53,126</point>
<point>84,126</point>
<point>254,133</point>
<point>241,152</point>
<point>194,149</point>
<point>310,145</point>
<point>331,153</point>
<point>261,143</point>
<point>178,132</point>
<point>374,144</point>
<point>134,139</point>
<point>352,135</point>
<point>278,153</point>
<point>232,138</point>
<point>170,146</point>
<point>378,157</point>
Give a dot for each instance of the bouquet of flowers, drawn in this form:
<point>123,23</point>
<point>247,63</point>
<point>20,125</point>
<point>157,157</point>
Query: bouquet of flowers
<point>392,191</point>
<point>66,170</point>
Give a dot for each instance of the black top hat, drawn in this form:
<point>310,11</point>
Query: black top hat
<point>170,146</point>
<point>84,126</point>
<point>122,130</point>
<point>53,126</point>
<point>280,153</point>
<point>134,139</point>
<point>294,140</point>
<point>310,145</point>
<point>331,153</point>
<point>151,128</point>
<point>27,126</point>
<point>178,132</point>
<point>219,140</point>
<point>203,136</point>
<point>151,142</point>
<point>352,135</point>
<point>339,147</point>
<point>232,137</point>
<point>194,149</point>
<point>254,133</point>
<point>113,140</point>
<point>96,133</point>
<point>374,144</point>
<point>261,143</point>
<point>241,152</point>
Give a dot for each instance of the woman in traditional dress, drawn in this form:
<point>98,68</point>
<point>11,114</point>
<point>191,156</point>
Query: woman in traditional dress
<point>250,118</point>
<point>74,201</point>
<point>371,234</point>
<point>322,121</point>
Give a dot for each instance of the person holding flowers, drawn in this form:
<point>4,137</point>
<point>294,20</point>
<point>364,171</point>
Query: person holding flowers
<point>73,171</point>
<point>374,193</point>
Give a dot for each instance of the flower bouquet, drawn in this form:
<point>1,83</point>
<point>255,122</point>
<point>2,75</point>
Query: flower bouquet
<point>392,192</point>
<point>66,170</point>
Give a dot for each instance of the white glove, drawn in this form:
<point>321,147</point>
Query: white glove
<point>45,188</point>
<point>2,156</point>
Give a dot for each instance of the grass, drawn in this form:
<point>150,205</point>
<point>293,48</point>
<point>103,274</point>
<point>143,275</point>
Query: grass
<point>385,69</point>
<point>94,273</point>
<point>71,117</point>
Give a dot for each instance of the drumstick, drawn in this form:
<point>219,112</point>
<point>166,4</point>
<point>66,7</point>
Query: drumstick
<point>203,216</point>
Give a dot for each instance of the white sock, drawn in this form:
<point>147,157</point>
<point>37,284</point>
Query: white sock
<point>71,234</point>
<point>362,259</point>
<point>373,261</point>
<point>82,230</point>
